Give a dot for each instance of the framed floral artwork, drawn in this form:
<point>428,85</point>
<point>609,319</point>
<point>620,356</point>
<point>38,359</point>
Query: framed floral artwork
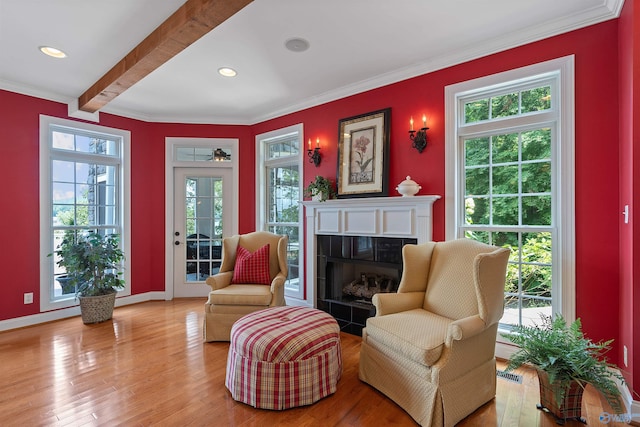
<point>363,155</point>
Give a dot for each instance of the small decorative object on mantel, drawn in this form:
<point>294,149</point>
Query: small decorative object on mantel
<point>320,189</point>
<point>408,187</point>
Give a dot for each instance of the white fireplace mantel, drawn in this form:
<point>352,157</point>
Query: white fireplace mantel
<point>403,217</point>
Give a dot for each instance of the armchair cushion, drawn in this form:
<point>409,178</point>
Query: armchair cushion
<point>253,267</point>
<point>417,334</point>
<point>241,294</point>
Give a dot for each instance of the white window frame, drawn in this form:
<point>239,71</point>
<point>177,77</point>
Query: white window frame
<point>124,211</point>
<point>563,182</point>
<point>261,193</point>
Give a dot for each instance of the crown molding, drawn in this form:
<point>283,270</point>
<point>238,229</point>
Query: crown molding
<point>35,92</point>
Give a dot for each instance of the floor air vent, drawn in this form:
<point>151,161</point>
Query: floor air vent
<point>515,378</point>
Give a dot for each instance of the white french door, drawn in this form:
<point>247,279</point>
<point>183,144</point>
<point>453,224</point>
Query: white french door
<point>202,217</point>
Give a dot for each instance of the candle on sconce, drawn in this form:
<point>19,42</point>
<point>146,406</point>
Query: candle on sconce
<point>309,143</point>
<point>318,143</point>
<point>424,121</point>
<point>411,123</point>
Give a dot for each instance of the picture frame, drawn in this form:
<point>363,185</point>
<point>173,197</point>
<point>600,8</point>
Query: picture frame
<point>363,155</point>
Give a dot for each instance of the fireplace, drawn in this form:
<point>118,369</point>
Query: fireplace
<point>350,270</point>
<point>354,250</point>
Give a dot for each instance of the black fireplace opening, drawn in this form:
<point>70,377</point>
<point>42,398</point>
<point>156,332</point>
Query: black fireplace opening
<point>351,269</point>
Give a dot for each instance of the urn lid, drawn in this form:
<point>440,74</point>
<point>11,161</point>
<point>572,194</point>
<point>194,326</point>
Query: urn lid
<point>408,181</point>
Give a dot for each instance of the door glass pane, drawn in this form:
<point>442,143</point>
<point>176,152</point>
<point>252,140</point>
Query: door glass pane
<point>203,225</point>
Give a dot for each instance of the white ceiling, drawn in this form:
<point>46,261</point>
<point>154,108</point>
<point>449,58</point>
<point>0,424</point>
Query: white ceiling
<point>356,45</point>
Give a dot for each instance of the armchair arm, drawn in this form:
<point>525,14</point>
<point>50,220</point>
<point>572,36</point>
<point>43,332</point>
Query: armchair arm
<point>278,282</point>
<point>220,280</point>
<point>465,328</point>
<point>277,289</point>
<point>394,303</point>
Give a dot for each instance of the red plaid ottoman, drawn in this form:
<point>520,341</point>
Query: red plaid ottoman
<point>283,357</point>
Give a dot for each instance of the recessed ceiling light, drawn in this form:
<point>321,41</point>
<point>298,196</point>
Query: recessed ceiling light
<point>297,44</point>
<point>227,72</point>
<point>52,51</point>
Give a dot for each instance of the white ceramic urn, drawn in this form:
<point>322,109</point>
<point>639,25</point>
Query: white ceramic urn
<point>408,187</point>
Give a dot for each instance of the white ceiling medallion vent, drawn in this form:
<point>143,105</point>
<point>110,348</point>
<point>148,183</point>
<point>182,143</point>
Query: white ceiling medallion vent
<point>297,44</point>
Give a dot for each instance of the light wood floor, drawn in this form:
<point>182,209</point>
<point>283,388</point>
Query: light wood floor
<point>149,366</point>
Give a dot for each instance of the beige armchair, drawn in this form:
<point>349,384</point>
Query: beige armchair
<point>228,301</point>
<point>431,346</point>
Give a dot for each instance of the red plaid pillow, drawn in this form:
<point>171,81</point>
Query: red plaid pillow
<point>252,267</point>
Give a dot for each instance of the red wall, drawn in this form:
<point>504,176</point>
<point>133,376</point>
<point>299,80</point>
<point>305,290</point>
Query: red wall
<point>595,50</point>
<point>629,51</point>
<point>19,146</point>
<point>597,260</point>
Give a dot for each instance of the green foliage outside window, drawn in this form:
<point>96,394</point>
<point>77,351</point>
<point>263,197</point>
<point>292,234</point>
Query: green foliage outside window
<point>508,183</point>
<point>508,105</point>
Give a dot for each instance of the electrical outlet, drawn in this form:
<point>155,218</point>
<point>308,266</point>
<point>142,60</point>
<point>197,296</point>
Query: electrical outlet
<point>624,356</point>
<point>28,298</point>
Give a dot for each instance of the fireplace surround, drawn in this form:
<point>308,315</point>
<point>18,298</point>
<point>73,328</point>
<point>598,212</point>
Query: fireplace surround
<point>354,249</point>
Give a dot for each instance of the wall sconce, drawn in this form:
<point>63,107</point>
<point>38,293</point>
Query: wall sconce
<point>314,155</point>
<point>220,156</point>
<point>419,138</point>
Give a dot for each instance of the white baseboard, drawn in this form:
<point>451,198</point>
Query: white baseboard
<point>49,316</point>
<point>632,407</point>
<point>634,412</point>
<point>632,416</point>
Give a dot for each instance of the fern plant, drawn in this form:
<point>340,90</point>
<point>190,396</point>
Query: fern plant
<point>566,355</point>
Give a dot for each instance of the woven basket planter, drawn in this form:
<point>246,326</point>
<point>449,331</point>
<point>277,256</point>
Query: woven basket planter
<point>571,406</point>
<point>97,309</point>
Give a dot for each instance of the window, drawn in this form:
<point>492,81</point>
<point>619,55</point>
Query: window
<point>82,191</point>
<point>280,187</point>
<point>204,226</point>
<point>510,181</point>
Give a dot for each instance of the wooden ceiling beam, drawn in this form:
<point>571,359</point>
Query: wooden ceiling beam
<point>191,21</point>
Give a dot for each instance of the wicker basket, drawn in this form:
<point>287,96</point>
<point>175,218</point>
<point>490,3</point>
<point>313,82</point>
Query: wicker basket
<point>97,309</point>
<point>571,406</point>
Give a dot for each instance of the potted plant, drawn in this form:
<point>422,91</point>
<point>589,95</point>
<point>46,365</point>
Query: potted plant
<point>320,189</point>
<point>93,263</point>
<point>566,361</point>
